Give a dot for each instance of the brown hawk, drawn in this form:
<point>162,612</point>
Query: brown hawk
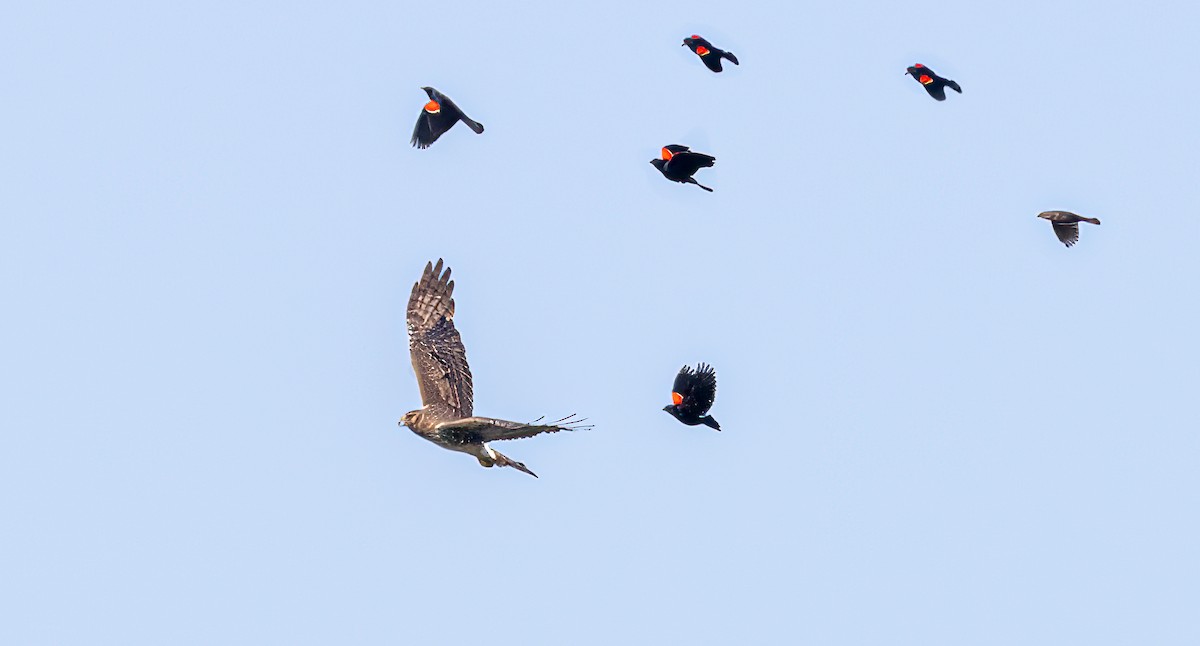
<point>1066,225</point>
<point>440,362</point>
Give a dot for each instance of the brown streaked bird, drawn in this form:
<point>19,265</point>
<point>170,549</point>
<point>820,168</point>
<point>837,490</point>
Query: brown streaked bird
<point>1066,225</point>
<point>440,362</point>
<point>438,116</point>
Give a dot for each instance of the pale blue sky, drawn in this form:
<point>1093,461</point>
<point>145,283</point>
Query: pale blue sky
<point>941,426</point>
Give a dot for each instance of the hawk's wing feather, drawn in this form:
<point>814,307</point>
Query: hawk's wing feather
<point>438,356</point>
<point>487,429</point>
<point>1067,232</point>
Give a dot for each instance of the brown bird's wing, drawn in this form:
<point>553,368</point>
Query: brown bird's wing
<point>438,356</point>
<point>487,429</point>
<point>1067,232</point>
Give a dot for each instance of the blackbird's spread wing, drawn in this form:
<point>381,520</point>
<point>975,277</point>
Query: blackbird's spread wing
<point>685,164</point>
<point>697,389</point>
<point>683,381</point>
<point>487,429</point>
<point>1067,232</point>
<point>438,356</point>
<point>431,125</point>
<point>937,90</point>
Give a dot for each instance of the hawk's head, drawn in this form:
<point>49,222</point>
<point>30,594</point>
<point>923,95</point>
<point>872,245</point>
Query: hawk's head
<point>410,419</point>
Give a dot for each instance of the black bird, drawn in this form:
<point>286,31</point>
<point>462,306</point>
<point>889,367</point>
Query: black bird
<point>447,417</point>
<point>1066,225</point>
<point>693,395</point>
<point>934,84</point>
<point>438,116</point>
<point>679,163</point>
<point>707,53</point>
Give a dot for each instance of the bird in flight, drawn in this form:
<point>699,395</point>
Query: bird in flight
<point>447,394</point>
<point>711,56</point>
<point>438,116</point>
<point>692,396</point>
<point>1066,225</point>
<point>679,163</point>
<point>934,84</point>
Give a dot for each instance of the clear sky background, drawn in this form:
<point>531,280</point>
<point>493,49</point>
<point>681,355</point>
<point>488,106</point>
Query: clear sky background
<point>941,425</point>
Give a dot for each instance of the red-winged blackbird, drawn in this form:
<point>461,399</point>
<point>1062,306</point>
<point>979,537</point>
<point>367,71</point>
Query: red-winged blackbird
<point>1066,225</point>
<point>707,53</point>
<point>934,84</point>
<point>438,116</point>
<point>679,163</point>
<point>693,395</point>
<point>439,359</point>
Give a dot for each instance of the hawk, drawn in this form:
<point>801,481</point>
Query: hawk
<point>447,394</point>
<point>1066,225</point>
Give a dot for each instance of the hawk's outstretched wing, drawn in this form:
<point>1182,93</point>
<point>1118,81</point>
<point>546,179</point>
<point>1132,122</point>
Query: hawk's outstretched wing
<point>487,429</point>
<point>1067,232</point>
<point>438,355</point>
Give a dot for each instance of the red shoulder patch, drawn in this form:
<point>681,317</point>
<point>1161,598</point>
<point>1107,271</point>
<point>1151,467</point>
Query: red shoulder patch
<point>925,80</point>
<point>702,50</point>
<point>433,107</point>
<point>918,65</point>
<point>667,155</point>
<point>676,398</point>
<point>695,35</point>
